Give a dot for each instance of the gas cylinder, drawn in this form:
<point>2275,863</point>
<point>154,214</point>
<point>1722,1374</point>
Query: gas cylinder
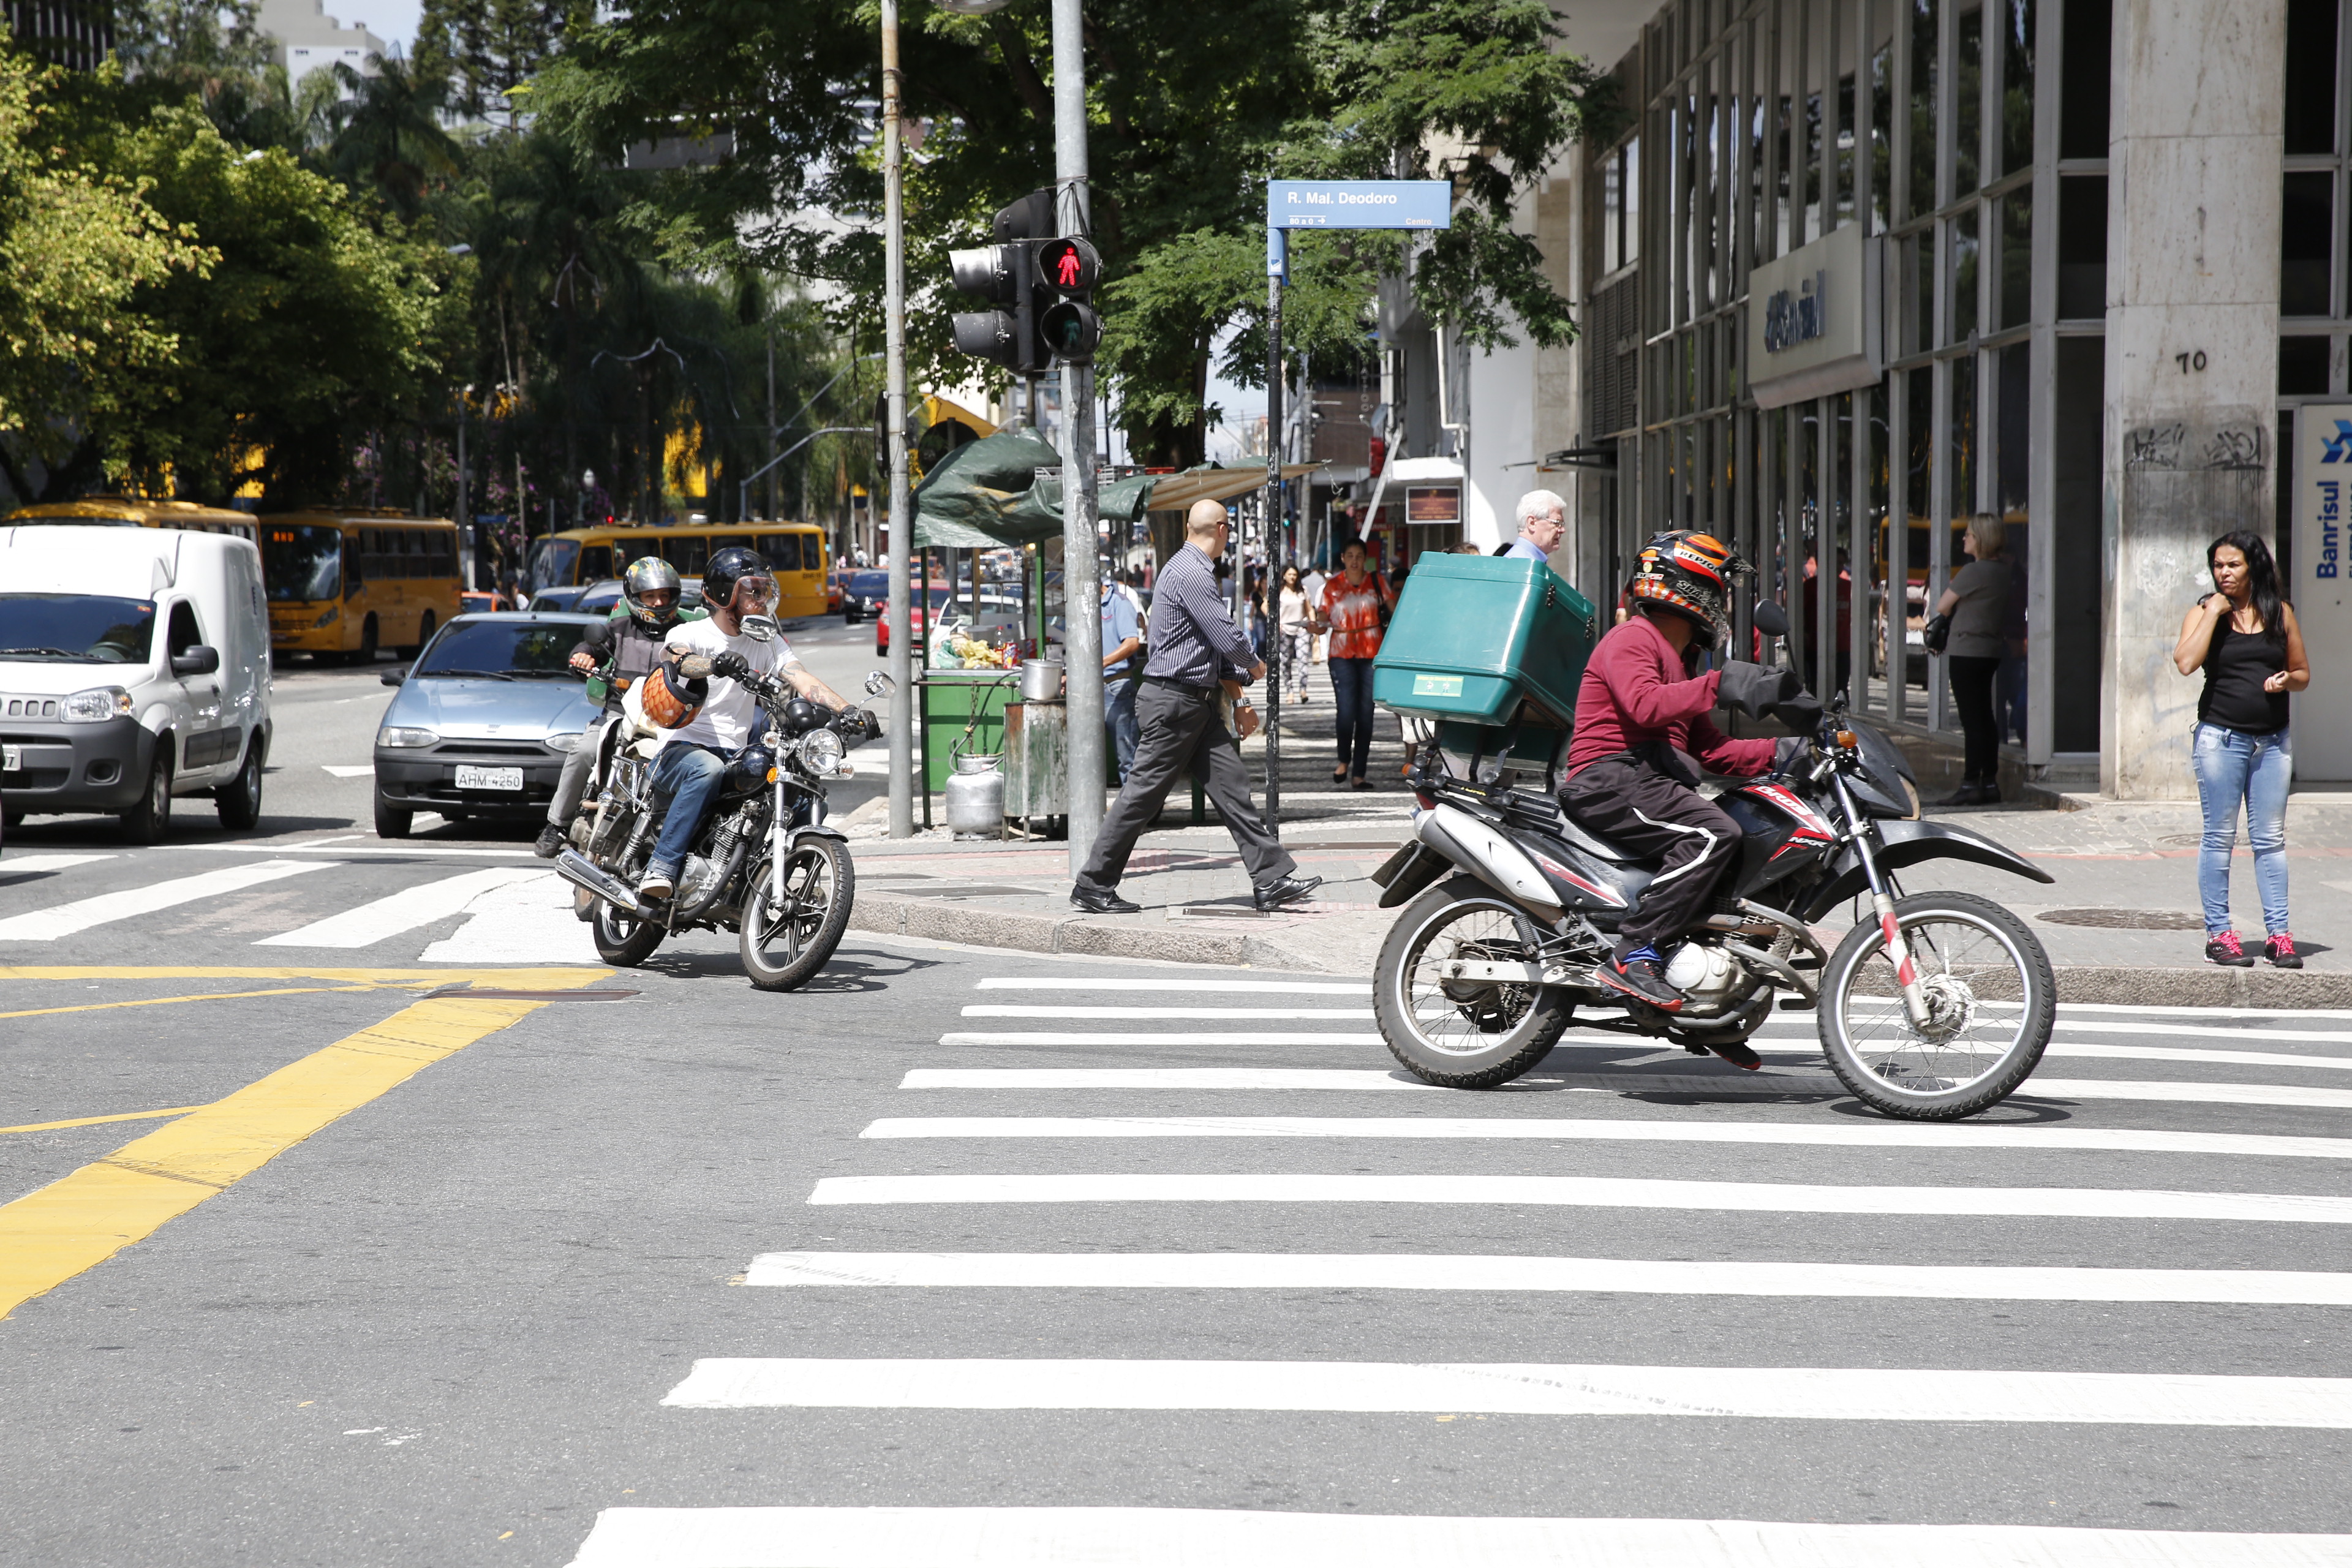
<point>976,798</point>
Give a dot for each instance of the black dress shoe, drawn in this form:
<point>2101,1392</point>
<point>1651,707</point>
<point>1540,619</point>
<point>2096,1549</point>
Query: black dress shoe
<point>1288,890</point>
<point>1102,901</point>
<point>1967,795</point>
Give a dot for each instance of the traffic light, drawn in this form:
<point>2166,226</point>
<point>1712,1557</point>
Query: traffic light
<point>1066,269</point>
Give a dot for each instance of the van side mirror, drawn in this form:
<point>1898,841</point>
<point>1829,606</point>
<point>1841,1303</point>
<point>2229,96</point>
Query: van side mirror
<point>393,676</point>
<point>199,659</point>
<point>1771,620</point>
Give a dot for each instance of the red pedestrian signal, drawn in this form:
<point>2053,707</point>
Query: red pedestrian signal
<point>1068,265</point>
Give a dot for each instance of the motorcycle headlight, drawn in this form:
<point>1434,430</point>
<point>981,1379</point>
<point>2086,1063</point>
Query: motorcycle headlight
<point>562,743</point>
<point>97,705</point>
<point>396,737</point>
<point>820,752</point>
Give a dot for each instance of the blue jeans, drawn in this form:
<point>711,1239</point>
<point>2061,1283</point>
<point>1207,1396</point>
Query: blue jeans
<point>1351,694</point>
<point>686,776</point>
<point>2232,767</point>
<point>1119,712</point>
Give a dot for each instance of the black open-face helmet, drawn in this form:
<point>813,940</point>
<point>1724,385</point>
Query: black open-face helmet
<point>740,580</point>
<point>650,575</point>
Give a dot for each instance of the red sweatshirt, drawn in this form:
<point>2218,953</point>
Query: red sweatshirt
<point>1636,690</point>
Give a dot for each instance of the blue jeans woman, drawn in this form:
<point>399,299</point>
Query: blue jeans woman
<point>2233,769</point>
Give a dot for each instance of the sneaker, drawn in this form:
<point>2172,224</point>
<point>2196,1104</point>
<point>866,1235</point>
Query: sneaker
<point>1639,973</point>
<point>658,885</point>
<point>553,840</point>
<point>2222,948</point>
<point>2280,951</point>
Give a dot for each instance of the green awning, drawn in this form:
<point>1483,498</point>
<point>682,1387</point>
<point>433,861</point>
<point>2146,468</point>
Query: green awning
<point>988,493</point>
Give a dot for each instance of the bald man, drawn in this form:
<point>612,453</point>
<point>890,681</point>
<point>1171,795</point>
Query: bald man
<point>1195,651</point>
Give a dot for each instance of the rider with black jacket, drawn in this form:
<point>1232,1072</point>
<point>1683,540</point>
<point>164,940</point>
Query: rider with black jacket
<point>620,653</point>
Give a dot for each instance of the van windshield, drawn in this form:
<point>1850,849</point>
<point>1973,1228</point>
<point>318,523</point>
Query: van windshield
<point>303,562</point>
<point>78,628</point>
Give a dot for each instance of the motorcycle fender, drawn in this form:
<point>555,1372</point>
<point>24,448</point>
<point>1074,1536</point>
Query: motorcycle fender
<point>1402,877</point>
<point>1488,853</point>
<point>1908,843</point>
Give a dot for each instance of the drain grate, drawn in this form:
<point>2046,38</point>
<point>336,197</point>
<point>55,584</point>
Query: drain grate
<point>2127,920</point>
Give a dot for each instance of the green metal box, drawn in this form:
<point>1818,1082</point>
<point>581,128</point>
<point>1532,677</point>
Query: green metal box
<point>1474,636</point>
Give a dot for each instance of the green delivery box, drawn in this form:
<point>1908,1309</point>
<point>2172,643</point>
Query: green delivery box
<point>1475,635</point>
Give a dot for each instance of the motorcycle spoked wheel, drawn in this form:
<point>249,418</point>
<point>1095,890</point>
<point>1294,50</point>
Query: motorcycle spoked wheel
<point>621,939</point>
<point>1992,1001</point>
<point>784,945</point>
<point>1457,1034</point>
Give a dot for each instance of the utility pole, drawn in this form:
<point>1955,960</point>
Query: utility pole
<point>775,496</point>
<point>465,519</point>
<point>1275,442</point>
<point>1081,589</point>
<point>902,527</point>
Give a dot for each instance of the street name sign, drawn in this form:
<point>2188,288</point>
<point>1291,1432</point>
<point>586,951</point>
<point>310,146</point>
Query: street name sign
<point>1350,204</point>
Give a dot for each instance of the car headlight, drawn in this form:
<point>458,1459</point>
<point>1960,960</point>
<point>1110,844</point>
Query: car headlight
<point>562,743</point>
<point>396,737</point>
<point>97,705</point>
<point>820,752</point>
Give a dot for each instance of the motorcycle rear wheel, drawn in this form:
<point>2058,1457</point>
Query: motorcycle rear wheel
<point>1994,1002</point>
<point>621,939</point>
<point>783,946</point>
<point>1455,1034</point>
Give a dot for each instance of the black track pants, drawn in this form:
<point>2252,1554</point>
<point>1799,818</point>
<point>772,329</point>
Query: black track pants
<point>1637,807</point>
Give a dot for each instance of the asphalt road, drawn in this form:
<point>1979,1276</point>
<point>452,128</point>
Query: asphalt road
<point>548,1269</point>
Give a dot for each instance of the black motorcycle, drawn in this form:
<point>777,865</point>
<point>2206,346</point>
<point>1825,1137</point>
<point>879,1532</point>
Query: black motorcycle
<point>1936,1007</point>
<point>764,864</point>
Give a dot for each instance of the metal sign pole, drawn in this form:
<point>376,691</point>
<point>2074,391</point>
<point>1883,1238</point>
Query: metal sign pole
<point>1081,576</point>
<point>902,528</point>
<point>1277,265</point>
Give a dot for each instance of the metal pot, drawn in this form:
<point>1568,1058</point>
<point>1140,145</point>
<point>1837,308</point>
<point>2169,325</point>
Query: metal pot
<point>1041,681</point>
<point>976,798</point>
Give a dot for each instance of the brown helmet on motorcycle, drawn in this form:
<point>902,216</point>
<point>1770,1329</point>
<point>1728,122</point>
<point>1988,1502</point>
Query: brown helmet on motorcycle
<point>674,691</point>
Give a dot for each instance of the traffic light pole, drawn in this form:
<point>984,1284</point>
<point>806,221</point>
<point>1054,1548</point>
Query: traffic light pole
<point>1274,643</point>
<point>1081,587</point>
<point>902,527</point>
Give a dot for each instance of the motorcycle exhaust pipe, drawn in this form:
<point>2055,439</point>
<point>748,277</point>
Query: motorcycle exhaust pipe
<point>582,872</point>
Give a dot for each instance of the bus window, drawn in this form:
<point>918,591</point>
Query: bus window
<point>595,563</point>
<point>550,564</point>
<point>734,542</point>
<point>782,550</point>
<point>685,552</point>
<point>444,546</point>
<point>302,562</point>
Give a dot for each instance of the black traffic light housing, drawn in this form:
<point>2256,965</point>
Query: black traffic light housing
<point>1043,285</point>
<point>1066,270</point>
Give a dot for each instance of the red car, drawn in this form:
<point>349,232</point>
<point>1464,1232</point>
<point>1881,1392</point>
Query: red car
<point>938,596</point>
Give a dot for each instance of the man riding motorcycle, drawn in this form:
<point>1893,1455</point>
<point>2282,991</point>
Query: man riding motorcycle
<point>740,593</point>
<point>1641,717</point>
<point>620,653</point>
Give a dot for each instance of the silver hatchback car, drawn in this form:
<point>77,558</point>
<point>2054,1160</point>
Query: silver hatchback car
<point>483,720</point>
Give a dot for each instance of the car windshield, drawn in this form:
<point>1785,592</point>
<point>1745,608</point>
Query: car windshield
<point>78,629</point>
<point>303,562</point>
<point>503,650</point>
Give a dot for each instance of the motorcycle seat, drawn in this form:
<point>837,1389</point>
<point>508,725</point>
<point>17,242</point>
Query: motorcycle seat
<point>1570,831</point>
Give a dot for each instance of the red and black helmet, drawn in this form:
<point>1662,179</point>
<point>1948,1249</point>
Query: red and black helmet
<point>1689,573</point>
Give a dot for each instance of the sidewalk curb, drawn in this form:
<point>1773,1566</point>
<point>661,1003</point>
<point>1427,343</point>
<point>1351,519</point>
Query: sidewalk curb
<point>977,925</point>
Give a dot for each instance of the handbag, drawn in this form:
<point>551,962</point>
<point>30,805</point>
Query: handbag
<point>1937,632</point>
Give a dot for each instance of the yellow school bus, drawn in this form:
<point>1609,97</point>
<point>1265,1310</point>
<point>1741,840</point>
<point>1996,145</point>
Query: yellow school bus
<point>342,584</point>
<point>795,551</point>
<point>137,511</point>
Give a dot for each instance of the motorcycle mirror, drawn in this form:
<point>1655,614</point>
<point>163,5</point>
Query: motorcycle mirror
<point>879,685</point>
<point>1770,620</point>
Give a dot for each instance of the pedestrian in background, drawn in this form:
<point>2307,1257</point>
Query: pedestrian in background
<point>1975,607</point>
<point>1122,640</point>
<point>2244,638</point>
<point>1352,611</point>
<point>1316,578</point>
<point>1196,662</point>
<point>1543,523</point>
<point>1294,614</point>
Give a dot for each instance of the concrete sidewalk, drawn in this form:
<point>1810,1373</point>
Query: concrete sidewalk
<point>2120,920</point>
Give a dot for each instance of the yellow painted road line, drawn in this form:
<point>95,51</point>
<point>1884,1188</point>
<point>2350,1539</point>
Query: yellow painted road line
<point>95,1120</point>
<point>80,1220</point>
<point>211,996</point>
<point>545,978</point>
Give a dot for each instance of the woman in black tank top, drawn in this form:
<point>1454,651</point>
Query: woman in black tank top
<point>2244,638</point>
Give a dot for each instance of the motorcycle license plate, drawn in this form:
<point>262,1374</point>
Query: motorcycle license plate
<point>12,758</point>
<point>490,778</point>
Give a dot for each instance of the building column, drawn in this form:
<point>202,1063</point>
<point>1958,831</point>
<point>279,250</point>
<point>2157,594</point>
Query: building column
<point>2195,145</point>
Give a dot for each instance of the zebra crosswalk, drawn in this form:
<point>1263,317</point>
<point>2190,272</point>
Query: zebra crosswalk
<point>1232,1256</point>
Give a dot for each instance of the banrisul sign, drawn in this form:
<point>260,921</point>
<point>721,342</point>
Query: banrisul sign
<point>2319,499</point>
<point>1813,320</point>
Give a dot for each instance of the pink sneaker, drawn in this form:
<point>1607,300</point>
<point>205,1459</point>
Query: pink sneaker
<point>2223,948</point>
<point>2280,951</point>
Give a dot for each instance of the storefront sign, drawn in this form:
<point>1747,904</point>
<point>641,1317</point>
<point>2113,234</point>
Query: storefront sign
<point>1433,503</point>
<point>1814,320</point>
<point>2321,586</point>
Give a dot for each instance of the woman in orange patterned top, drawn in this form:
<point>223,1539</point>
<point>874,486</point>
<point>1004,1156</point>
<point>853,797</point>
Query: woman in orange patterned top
<point>1350,612</point>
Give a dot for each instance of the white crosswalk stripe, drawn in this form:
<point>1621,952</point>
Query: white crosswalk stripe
<point>381,919</point>
<point>106,909</point>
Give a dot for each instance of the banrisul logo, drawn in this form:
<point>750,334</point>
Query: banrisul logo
<point>2337,448</point>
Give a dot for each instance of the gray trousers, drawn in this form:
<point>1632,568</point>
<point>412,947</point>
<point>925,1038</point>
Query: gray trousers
<point>574,781</point>
<point>1182,733</point>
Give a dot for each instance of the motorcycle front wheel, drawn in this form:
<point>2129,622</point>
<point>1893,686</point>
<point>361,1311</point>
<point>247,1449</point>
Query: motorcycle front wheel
<point>623,939</point>
<point>1991,1002</point>
<point>1463,1034</point>
<point>785,942</point>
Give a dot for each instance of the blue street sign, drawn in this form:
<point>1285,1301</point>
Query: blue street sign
<point>1358,203</point>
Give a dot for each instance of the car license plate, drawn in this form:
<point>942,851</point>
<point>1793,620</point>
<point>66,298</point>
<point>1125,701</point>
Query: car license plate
<point>490,778</point>
<point>12,758</point>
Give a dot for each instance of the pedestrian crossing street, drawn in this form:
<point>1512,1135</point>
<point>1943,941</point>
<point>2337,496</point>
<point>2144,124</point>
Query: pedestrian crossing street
<point>2184,1233</point>
<point>516,911</point>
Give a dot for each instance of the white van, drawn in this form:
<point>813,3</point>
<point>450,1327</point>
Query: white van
<point>134,667</point>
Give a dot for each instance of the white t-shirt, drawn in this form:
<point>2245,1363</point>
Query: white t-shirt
<point>727,719</point>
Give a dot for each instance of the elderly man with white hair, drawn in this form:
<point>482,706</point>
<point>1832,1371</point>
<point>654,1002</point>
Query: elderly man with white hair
<point>1543,519</point>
